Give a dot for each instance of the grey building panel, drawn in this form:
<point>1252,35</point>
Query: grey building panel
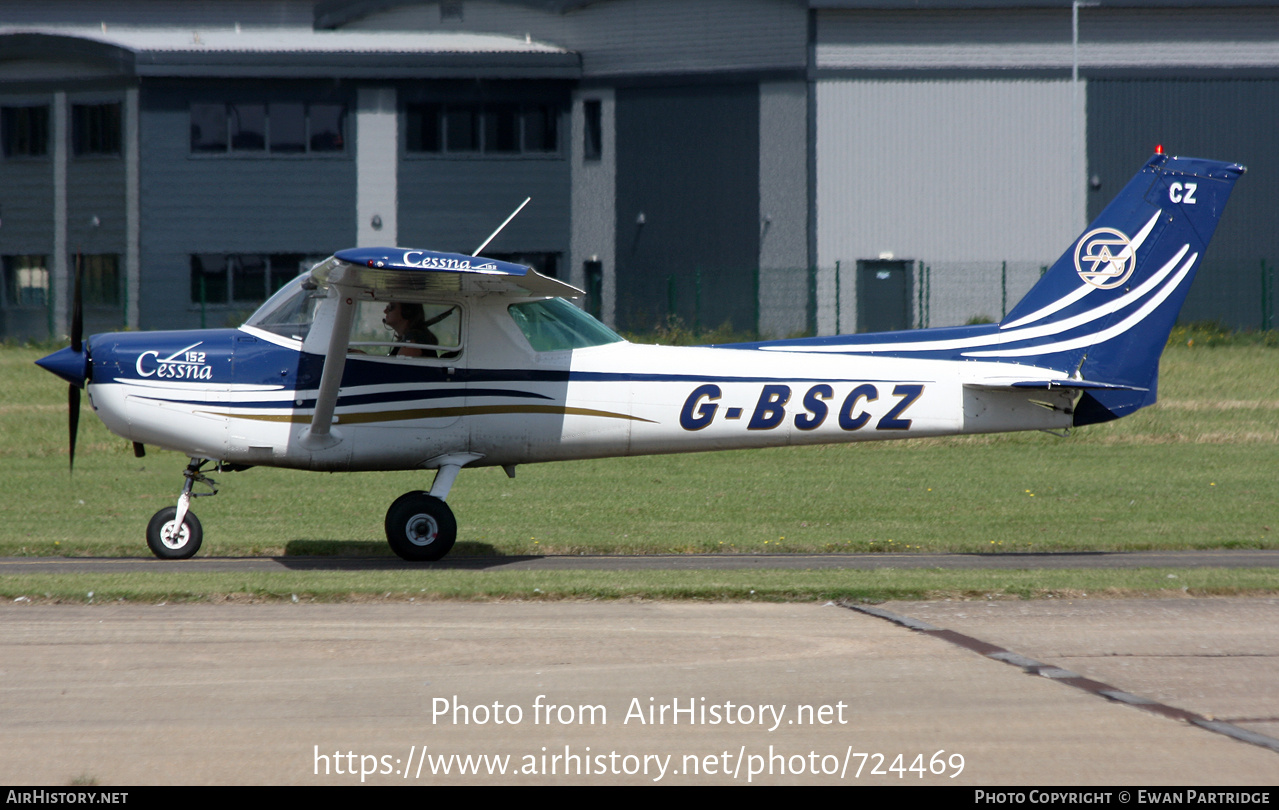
<point>1234,120</point>
<point>621,37</point>
<point>1040,39</point>
<point>783,208</point>
<point>688,205</point>
<point>95,191</point>
<point>26,205</point>
<point>942,172</point>
<point>452,205</point>
<point>258,204</point>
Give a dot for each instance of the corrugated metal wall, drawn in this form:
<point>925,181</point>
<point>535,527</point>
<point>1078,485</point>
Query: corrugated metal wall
<point>635,36</point>
<point>227,203</point>
<point>943,171</point>
<point>1221,119</point>
<point>688,161</point>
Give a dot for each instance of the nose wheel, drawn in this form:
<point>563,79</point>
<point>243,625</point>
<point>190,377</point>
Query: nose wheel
<point>170,540</point>
<point>174,532</point>
<point>420,527</point>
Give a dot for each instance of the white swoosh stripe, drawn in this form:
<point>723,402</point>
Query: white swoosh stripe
<point>1085,288</point>
<point>1105,334</point>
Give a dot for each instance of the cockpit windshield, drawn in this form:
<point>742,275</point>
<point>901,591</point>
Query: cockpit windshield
<point>290,312</point>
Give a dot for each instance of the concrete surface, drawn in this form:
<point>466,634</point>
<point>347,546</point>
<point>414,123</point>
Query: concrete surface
<point>280,694</point>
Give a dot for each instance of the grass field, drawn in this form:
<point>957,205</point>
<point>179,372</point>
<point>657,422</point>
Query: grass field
<point>1196,471</point>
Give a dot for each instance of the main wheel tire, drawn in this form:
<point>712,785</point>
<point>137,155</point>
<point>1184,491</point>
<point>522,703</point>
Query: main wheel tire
<point>170,544</point>
<point>420,528</point>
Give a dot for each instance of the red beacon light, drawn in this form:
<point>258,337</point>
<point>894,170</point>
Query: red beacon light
<point>1159,149</point>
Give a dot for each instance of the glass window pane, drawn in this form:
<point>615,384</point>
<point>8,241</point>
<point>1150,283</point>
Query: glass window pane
<point>208,127</point>
<point>248,277</point>
<point>593,144</point>
<point>288,127</point>
<point>26,280</point>
<point>328,122</point>
<point>284,268</point>
<point>95,129</point>
<point>248,127</point>
<point>556,325</point>
<point>423,134</point>
<point>208,279</point>
<point>540,129</point>
<point>501,128</point>
<point>25,131</point>
<point>100,280</point>
<point>462,129</point>
<point>290,311</point>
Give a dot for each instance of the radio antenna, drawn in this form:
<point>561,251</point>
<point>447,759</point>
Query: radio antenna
<point>506,222</point>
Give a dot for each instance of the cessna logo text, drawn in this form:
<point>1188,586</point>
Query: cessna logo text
<point>418,258</point>
<point>183,364</point>
<point>1104,258</point>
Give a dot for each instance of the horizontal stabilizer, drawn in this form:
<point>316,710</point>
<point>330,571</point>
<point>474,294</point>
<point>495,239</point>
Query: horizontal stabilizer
<point>1046,385</point>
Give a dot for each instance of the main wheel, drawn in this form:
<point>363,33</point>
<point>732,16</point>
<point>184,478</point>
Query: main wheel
<point>420,528</point>
<point>171,542</point>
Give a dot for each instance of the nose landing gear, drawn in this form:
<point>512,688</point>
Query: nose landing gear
<point>175,533</point>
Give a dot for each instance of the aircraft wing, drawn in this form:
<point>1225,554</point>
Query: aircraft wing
<point>406,270</point>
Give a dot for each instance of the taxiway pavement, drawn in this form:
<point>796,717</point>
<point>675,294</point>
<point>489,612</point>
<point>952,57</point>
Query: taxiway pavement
<point>779,693</point>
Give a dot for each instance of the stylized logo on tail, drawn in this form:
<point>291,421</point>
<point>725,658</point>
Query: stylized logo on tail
<point>1105,258</point>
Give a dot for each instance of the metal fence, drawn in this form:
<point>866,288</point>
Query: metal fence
<point>795,301</point>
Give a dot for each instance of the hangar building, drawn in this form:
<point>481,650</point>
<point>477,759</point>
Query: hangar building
<point>775,165</point>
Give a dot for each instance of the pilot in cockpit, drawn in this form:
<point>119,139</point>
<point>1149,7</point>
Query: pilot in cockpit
<point>408,323</point>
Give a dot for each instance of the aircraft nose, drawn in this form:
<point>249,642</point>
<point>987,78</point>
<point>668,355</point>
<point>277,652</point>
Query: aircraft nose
<point>69,364</point>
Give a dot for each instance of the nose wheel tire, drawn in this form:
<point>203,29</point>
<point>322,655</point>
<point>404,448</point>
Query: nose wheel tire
<point>169,541</point>
<point>420,528</point>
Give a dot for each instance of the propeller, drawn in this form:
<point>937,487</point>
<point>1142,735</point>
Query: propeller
<point>77,333</point>
<point>72,363</point>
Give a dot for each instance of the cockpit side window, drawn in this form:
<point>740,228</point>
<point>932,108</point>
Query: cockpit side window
<point>426,329</point>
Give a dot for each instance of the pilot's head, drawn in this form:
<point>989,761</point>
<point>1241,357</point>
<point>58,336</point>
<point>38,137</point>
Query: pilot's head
<point>399,316</point>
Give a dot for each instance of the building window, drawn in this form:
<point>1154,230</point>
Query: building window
<point>593,130</point>
<point>593,277</point>
<point>490,129</point>
<point>26,281</point>
<point>95,129</point>
<point>100,280</point>
<point>25,131</point>
<point>277,128</point>
<point>243,278</point>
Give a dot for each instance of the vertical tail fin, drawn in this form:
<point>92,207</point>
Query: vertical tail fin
<point>1104,310</point>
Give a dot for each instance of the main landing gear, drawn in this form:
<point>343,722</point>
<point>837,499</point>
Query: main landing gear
<point>420,526</point>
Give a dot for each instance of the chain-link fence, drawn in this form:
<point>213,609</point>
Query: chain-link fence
<point>795,301</point>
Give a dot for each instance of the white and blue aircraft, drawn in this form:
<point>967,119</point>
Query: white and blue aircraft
<point>506,372</point>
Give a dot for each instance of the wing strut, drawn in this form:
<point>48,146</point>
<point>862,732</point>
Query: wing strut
<point>334,363</point>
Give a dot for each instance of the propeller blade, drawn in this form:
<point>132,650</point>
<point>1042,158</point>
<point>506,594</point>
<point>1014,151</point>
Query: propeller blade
<point>77,308</point>
<point>73,419</point>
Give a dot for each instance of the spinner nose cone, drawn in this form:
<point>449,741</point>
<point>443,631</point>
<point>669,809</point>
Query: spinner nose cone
<point>69,364</point>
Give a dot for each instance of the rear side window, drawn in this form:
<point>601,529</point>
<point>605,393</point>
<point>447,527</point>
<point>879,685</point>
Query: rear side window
<point>553,325</point>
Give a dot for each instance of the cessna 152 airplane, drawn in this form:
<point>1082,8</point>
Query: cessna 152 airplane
<point>504,371</point>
